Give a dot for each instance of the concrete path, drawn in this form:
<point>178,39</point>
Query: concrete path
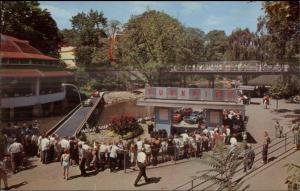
<point>169,177</point>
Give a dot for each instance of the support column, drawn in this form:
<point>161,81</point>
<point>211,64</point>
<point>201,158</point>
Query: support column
<point>184,81</point>
<point>245,79</point>
<point>51,108</point>
<point>11,113</point>
<point>37,110</point>
<point>37,87</point>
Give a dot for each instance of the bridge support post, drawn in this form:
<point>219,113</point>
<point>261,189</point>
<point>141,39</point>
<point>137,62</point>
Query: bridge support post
<point>211,82</point>
<point>245,79</point>
<point>11,113</point>
<point>184,81</point>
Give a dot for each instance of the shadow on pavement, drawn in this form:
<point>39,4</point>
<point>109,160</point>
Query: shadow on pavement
<point>250,138</point>
<point>93,173</point>
<point>151,180</point>
<point>17,185</point>
<point>255,103</point>
<point>272,159</point>
<point>283,110</point>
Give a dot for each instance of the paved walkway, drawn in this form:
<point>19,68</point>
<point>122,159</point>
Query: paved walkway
<point>169,177</point>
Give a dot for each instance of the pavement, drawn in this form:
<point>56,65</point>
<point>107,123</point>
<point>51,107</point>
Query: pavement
<point>271,177</point>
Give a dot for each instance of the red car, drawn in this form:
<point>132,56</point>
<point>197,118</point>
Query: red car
<point>177,117</point>
<point>186,111</point>
<point>96,94</point>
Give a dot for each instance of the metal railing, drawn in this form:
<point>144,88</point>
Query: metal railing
<point>66,117</point>
<point>285,140</point>
<point>236,68</point>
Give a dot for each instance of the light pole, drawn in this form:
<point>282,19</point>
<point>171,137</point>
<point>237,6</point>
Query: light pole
<point>65,84</point>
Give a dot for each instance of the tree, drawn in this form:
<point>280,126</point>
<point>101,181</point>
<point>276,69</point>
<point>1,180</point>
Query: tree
<point>150,42</point>
<point>215,45</point>
<point>282,22</point>
<point>277,92</point>
<point>241,45</point>
<point>89,32</point>
<point>224,165</point>
<point>26,20</point>
<point>194,45</point>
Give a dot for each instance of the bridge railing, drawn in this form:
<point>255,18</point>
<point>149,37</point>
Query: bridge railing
<point>274,147</point>
<point>255,67</point>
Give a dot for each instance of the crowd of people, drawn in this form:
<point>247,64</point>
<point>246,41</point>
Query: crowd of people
<point>116,155</point>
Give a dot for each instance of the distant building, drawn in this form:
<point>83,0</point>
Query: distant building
<point>67,55</point>
<point>31,82</point>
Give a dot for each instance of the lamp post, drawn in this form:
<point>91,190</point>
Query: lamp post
<point>65,84</point>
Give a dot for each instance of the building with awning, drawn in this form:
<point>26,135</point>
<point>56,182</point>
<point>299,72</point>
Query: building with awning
<point>30,81</point>
<point>166,100</point>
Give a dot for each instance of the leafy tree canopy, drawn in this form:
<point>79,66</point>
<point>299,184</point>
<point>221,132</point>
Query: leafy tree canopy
<point>151,41</point>
<point>26,20</point>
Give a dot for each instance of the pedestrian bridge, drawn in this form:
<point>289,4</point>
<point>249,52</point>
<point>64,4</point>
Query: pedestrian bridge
<point>73,122</point>
<point>236,68</point>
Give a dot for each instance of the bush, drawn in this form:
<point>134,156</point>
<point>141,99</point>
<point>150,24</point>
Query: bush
<point>123,124</point>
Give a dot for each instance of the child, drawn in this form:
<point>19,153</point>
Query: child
<point>65,162</point>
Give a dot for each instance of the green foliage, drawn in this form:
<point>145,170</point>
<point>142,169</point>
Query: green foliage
<point>150,42</point>
<point>224,165</point>
<point>89,38</point>
<point>26,20</point>
<point>282,23</point>
<point>194,45</point>
<point>240,45</point>
<point>277,91</point>
<point>215,45</point>
<point>81,76</point>
<point>293,175</point>
<point>123,124</point>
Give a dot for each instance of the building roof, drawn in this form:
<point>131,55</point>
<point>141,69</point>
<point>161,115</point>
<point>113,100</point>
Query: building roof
<point>12,47</point>
<point>264,80</point>
<point>32,73</point>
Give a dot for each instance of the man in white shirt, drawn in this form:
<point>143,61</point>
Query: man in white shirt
<point>139,144</point>
<point>45,146</point>
<point>141,159</point>
<point>64,144</point>
<point>185,136</point>
<point>102,151</point>
<point>15,150</point>
<point>113,157</point>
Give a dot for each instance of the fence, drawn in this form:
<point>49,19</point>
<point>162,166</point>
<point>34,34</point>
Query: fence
<point>196,182</point>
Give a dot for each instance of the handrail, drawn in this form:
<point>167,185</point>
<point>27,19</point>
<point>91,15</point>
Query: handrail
<point>89,114</point>
<point>62,120</point>
<point>191,181</point>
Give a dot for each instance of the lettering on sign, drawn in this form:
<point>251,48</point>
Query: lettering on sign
<point>229,95</point>
<point>161,92</point>
<point>182,92</point>
<point>205,94</point>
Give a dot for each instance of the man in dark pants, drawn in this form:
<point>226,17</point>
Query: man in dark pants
<point>141,159</point>
<point>82,155</point>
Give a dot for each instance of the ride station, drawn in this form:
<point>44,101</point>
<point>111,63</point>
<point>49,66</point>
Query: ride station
<point>167,100</point>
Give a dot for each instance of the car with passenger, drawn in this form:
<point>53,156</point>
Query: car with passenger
<point>87,103</point>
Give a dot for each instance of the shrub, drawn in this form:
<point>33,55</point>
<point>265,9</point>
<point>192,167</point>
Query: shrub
<point>123,124</point>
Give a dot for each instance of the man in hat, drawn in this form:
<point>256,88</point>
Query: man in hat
<point>142,162</point>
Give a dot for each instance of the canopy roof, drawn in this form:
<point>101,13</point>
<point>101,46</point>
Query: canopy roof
<point>32,73</point>
<point>12,47</point>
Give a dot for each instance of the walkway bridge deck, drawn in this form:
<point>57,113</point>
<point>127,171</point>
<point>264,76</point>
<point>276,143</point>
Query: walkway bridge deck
<point>75,120</point>
<point>237,69</point>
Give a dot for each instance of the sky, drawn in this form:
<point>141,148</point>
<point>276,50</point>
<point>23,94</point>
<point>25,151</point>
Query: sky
<point>205,15</point>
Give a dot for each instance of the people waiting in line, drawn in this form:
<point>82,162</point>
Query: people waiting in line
<point>121,154</point>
